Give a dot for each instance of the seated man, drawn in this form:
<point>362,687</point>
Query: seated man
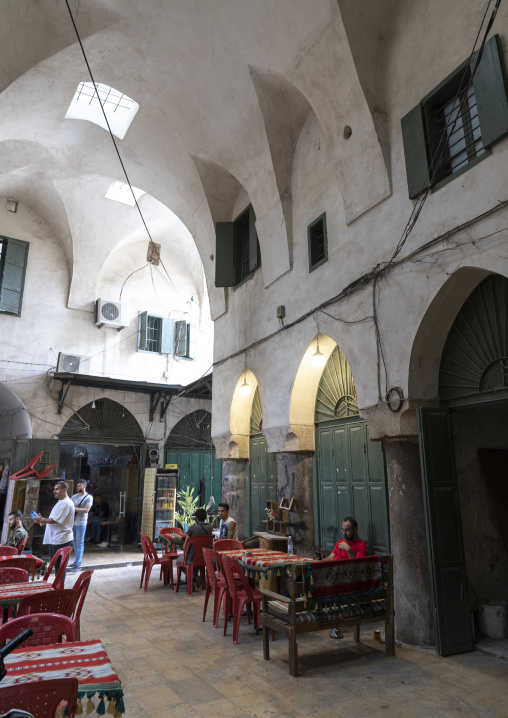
<point>17,532</point>
<point>227,526</point>
<point>200,528</point>
<point>350,546</point>
<point>97,514</point>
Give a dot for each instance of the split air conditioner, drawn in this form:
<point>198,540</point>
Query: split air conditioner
<point>111,314</point>
<point>73,364</point>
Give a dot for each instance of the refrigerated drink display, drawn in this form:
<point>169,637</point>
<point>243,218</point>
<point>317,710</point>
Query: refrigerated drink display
<point>165,499</point>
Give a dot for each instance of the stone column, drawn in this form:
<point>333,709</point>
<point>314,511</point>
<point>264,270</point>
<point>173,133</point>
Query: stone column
<point>414,621</point>
<point>294,472</point>
<point>233,491</point>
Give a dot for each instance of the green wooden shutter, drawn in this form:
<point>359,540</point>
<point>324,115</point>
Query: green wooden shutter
<point>254,253</point>
<point>11,292</point>
<point>142,327</point>
<point>444,533</point>
<point>224,254</point>
<point>415,151</point>
<point>191,341</point>
<point>490,91</point>
<point>166,336</point>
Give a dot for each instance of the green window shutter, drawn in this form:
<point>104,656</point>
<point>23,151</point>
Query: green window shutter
<point>415,151</point>
<point>224,254</point>
<point>13,279</point>
<point>166,336</point>
<point>490,91</point>
<point>142,326</point>
<point>254,252</point>
<point>191,341</point>
<point>180,339</point>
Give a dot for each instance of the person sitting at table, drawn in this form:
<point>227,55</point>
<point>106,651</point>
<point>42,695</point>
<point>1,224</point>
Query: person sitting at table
<point>98,512</point>
<point>17,532</point>
<point>350,546</point>
<point>200,528</point>
<point>227,526</point>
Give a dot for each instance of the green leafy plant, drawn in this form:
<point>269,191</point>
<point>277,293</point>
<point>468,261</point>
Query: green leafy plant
<point>188,504</point>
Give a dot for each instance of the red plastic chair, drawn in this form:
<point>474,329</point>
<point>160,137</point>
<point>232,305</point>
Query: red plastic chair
<point>40,698</point>
<point>227,545</point>
<point>81,588</point>
<point>21,546</point>
<point>63,554</point>
<point>29,564</point>
<point>8,551</point>
<point>239,594</point>
<point>150,559</point>
<point>62,601</point>
<point>215,582</point>
<point>47,628</point>
<point>13,575</point>
<point>198,561</point>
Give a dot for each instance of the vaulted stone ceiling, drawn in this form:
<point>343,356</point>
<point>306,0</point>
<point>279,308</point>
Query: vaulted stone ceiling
<point>224,88</point>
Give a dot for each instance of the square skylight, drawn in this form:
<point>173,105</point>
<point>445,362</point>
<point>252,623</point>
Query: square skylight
<point>121,192</point>
<point>120,109</point>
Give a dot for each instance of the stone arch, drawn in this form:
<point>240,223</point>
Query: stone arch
<point>240,416</point>
<point>301,436</point>
<point>423,379</point>
<point>14,420</point>
<point>99,420</point>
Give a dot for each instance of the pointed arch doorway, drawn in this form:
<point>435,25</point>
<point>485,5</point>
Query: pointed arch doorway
<point>349,468</point>
<point>262,470</point>
<point>189,446</point>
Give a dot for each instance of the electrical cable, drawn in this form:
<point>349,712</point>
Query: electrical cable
<point>130,275</point>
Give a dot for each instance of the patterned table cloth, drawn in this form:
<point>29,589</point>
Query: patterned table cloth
<point>12,593</point>
<point>85,660</point>
<point>259,562</point>
<point>40,564</point>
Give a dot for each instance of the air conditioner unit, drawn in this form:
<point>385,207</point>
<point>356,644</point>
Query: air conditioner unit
<point>111,314</point>
<point>73,364</point>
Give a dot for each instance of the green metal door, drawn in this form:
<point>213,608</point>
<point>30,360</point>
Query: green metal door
<point>201,470</point>
<point>444,532</point>
<point>350,482</point>
<point>263,479</point>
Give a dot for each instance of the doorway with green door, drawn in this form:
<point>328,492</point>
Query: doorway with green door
<point>464,464</point>
<point>349,468</point>
<point>262,471</point>
<point>189,446</point>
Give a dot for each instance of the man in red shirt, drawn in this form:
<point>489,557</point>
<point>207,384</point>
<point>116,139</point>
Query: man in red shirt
<point>350,546</point>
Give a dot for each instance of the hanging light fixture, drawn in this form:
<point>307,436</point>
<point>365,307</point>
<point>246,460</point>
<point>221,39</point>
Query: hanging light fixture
<point>318,358</point>
<point>245,388</point>
<point>93,404</point>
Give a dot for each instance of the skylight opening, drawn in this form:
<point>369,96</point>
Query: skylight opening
<point>121,192</point>
<point>120,109</point>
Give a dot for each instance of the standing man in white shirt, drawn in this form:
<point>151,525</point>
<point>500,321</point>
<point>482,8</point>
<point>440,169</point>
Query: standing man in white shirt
<point>82,505</point>
<point>58,532</point>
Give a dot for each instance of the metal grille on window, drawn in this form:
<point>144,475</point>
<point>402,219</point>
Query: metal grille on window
<point>153,334</point>
<point>317,242</point>
<point>459,118</point>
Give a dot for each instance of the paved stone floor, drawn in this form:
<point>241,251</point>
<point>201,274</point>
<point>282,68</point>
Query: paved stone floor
<point>172,664</point>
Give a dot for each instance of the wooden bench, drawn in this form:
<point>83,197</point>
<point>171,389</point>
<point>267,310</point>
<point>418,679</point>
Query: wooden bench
<point>329,594</point>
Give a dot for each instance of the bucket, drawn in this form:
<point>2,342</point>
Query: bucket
<point>493,620</point>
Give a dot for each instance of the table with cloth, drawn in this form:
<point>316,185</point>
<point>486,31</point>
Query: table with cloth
<point>39,562</point>
<point>12,593</point>
<point>85,660</point>
<point>263,563</point>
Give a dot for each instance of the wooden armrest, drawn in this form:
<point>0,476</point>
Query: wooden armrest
<point>275,596</point>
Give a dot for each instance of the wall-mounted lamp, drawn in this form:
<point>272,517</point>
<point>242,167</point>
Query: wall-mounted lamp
<point>245,388</point>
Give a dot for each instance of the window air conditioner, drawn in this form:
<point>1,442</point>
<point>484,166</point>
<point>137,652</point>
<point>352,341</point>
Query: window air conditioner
<point>73,364</point>
<point>111,314</point>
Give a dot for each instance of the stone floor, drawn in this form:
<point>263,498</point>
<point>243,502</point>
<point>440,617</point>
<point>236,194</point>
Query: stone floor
<point>172,664</point>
